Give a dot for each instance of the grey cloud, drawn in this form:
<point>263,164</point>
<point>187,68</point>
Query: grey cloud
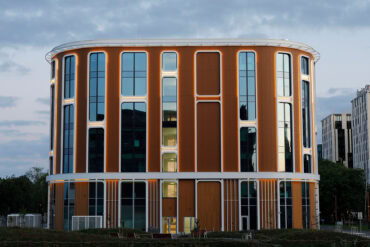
<point>8,101</point>
<point>43,112</point>
<point>45,22</point>
<point>17,123</point>
<point>45,101</point>
<point>8,65</point>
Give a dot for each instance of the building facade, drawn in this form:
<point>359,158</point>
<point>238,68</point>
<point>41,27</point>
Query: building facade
<point>360,123</point>
<point>337,138</point>
<point>164,135</point>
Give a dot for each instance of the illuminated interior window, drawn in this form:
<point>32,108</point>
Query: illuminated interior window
<point>189,224</point>
<point>169,189</point>
<point>169,111</point>
<point>169,225</point>
<point>169,162</point>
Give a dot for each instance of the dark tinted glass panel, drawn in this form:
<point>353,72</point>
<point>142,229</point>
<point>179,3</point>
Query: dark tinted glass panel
<point>134,74</point>
<point>69,77</point>
<point>53,69</point>
<point>133,205</point>
<point>169,61</point>
<point>248,199</point>
<point>96,150</point>
<point>51,166</point>
<point>283,74</point>
<point>286,215</point>
<point>306,120</point>
<point>133,137</point>
<point>247,86</point>
<point>248,153</point>
<point>306,205</point>
<point>96,198</point>
<point>68,132</point>
<point>304,66</point>
<point>97,86</point>
<point>169,111</point>
<point>285,143</point>
<point>52,95</point>
<point>307,163</point>
<point>69,205</point>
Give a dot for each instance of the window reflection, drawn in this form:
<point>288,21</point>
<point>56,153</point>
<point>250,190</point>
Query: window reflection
<point>283,74</point>
<point>247,86</point>
<point>68,133</point>
<point>305,205</point>
<point>97,86</point>
<point>69,76</point>
<point>285,144</point>
<point>96,198</point>
<point>133,202</point>
<point>248,149</point>
<point>169,61</point>
<point>248,205</point>
<point>286,214</point>
<point>306,120</point>
<point>304,66</point>
<point>307,163</point>
<point>133,73</point>
<point>169,111</point>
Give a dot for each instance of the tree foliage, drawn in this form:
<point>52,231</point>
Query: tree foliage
<point>342,190</point>
<point>26,194</point>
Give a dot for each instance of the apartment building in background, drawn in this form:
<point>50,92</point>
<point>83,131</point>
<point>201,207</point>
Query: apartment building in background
<point>159,135</point>
<point>360,123</point>
<point>337,138</point>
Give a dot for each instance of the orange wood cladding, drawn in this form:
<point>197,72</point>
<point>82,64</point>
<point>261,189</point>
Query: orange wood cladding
<point>186,201</point>
<point>208,73</point>
<point>208,137</point>
<point>59,206</point>
<point>231,205</point>
<point>297,204</point>
<point>207,66</point>
<point>112,203</point>
<point>153,205</point>
<point>81,198</point>
<point>169,207</point>
<point>209,193</point>
<point>268,203</point>
<point>186,117</point>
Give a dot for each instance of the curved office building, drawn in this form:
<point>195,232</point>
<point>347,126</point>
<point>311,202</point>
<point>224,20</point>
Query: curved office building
<point>162,135</point>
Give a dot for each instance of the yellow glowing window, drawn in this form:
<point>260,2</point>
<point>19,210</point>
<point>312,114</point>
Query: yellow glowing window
<point>169,225</point>
<point>169,162</point>
<point>169,189</point>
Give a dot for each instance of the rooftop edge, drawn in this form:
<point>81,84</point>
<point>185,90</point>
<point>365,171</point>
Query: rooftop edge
<point>181,42</point>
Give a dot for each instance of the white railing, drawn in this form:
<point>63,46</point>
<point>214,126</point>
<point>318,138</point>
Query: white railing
<point>86,222</point>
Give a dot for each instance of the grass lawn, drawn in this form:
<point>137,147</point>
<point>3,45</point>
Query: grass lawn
<point>108,237</point>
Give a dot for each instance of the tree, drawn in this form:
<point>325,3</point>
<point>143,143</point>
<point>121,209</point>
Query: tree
<point>341,190</point>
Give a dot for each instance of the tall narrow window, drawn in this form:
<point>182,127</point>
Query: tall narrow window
<point>69,205</point>
<point>68,129</point>
<point>96,198</point>
<point>133,137</point>
<point>307,163</point>
<point>248,205</point>
<point>248,147</point>
<point>169,189</point>
<point>69,77</point>
<point>133,73</point>
<point>247,85</point>
<point>284,87</point>
<point>169,225</point>
<point>169,162</point>
<point>169,61</point>
<point>169,111</point>
<point>52,205</point>
<point>305,205</point>
<point>133,203</point>
<point>306,120</point>
<point>286,211</point>
<point>97,86</point>
<point>285,143</point>
<point>52,95</point>
<point>96,150</point>
<point>53,69</point>
<point>304,66</point>
<point>51,165</point>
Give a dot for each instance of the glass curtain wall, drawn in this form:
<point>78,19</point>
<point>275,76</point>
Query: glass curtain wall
<point>286,205</point>
<point>306,205</point>
<point>133,203</point>
<point>97,86</point>
<point>69,77</point>
<point>247,85</point>
<point>68,140</point>
<point>248,149</point>
<point>285,141</point>
<point>248,205</point>
<point>69,205</point>
<point>133,74</point>
<point>96,150</point>
<point>133,137</point>
<point>96,198</point>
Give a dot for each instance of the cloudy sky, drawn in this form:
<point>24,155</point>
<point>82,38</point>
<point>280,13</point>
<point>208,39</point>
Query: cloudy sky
<point>339,30</point>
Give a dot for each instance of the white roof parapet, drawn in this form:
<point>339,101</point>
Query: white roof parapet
<point>180,42</point>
